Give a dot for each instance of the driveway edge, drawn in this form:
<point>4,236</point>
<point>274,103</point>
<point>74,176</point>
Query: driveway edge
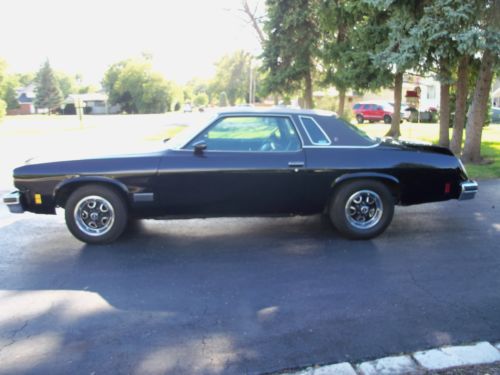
<point>441,358</point>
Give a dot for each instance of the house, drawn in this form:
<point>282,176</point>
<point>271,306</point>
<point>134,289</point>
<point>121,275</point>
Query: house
<point>92,104</point>
<point>26,99</point>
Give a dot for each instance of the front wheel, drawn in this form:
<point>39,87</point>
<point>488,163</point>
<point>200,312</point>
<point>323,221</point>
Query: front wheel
<point>95,214</point>
<point>360,119</point>
<point>362,209</point>
<point>387,119</point>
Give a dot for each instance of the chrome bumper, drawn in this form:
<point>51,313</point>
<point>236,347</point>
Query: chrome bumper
<point>469,190</point>
<point>13,202</point>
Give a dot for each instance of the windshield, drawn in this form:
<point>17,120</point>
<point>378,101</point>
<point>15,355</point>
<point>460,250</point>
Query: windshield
<point>179,140</point>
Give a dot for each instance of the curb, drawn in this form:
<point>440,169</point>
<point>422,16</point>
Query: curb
<point>441,358</point>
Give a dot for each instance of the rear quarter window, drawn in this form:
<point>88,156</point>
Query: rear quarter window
<point>316,134</point>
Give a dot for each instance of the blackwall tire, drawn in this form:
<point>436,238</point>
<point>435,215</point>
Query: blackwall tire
<point>96,214</point>
<point>360,119</point>
<point>361,209</point>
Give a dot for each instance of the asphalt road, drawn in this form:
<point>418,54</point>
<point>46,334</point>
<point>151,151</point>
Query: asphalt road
<point>235,296</point>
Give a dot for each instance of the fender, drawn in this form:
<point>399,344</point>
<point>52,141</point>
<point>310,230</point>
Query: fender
<point>63,185</point>
<point>358,175</point>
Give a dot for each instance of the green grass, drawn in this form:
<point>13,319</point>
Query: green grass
<point>490,148</point>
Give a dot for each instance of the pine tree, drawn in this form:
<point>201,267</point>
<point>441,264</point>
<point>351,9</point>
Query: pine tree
<point>48,93</point>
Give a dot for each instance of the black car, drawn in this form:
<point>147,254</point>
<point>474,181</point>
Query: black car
<point>247,162</point>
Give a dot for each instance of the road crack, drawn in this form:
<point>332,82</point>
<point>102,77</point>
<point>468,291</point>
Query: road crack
<point>12,338</point>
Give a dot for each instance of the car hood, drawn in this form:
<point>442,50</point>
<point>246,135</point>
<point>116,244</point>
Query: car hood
<point>79,154</point>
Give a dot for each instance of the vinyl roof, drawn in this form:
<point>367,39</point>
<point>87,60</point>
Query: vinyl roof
<point>274,110</point>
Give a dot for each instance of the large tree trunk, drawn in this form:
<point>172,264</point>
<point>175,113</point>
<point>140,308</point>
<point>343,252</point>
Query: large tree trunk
<point>395,131</point>
<point>477,115</point>
<point>308,92</point>
<point>341,108</point>
<point>444,115</point>
<point>462,89</point>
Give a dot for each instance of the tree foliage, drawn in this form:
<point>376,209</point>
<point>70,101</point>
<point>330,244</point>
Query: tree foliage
<point>137,88</point>
<point>232,77</point>
<point>48,92</point>
<point>291,47</point>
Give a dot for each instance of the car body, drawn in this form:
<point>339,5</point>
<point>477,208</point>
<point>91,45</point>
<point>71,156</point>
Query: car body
<point>374,111</point>
<point>247,162</point>
<point>495,115</point>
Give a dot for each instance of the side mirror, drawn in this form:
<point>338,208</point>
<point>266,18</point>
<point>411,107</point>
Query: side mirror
<point>199,147</point>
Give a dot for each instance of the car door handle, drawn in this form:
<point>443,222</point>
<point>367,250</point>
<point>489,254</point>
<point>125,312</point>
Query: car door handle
<point>296,164</point>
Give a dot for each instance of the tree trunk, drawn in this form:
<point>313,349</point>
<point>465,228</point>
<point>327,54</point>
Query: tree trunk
<point>462,89</point>
<point>477,115</point>
<point>444,115</point>
<point>341,108</point>
<point>395,131</point>
<point>308,92</point>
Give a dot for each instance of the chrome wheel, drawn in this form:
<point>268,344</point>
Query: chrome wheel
<point>94,215</point>
<point>364,209</point>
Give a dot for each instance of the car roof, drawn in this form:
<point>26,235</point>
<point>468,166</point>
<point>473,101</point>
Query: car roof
<point>247,110</point>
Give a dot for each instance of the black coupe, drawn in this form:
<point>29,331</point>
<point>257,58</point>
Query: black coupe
<point>247,162</point>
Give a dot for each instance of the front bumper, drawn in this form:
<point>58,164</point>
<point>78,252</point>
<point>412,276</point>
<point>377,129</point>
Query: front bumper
<point>468,190</point>
<point>13,202</point>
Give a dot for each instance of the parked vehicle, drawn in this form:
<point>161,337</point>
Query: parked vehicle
<point>247,162</point>
<point>495,115</point>
<point>378,111</point>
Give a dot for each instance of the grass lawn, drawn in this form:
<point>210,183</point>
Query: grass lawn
<point>490,148</point>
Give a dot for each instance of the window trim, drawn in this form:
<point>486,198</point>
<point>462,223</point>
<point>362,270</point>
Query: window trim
<point>224,116</point>
<point>319,127</point>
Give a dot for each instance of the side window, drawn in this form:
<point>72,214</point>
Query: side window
<point>314,131</point>
<point>356,106</point>
<point>250,133</point>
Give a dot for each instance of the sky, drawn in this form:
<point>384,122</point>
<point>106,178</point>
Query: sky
<point>185,37</point>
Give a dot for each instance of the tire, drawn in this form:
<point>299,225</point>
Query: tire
<point>108,207</point>
<point>360,119</point>
<point>387,119</point>
<point>361,225</point>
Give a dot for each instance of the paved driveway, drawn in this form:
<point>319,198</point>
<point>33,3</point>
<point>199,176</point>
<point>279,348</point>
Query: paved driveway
<point>246,295</point>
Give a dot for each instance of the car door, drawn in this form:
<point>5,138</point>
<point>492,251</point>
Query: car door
<point>245,165</point>
<point>367,111</point>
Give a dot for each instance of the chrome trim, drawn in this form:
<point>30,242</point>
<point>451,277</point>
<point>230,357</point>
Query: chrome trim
<point>468,190</point>
<point>319,127</point>
<point>143,197</point>
<point>340,146</point>
<point>13,202</point>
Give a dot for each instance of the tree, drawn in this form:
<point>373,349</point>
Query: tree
<point>48,93</point>
<point>401,52</point>
<point>351,34</point>
<point>137,88</point>
<point>68,83</point>
<point>232,76</point>
<point>8,85</point>
<point>440,36</point>
<point>223,102</point>
<point>291,47</point>
<point>201,99</point>
<point>490,43</point>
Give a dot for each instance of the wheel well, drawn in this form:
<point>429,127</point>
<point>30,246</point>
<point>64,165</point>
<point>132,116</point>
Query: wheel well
<point>391,185</point>
<point>62,195</point>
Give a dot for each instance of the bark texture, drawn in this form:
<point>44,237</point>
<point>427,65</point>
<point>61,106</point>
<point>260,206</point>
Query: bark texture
<point>395,131</point>
<point>477,115</point>
<point>341,108</point>
<point>308,94</point>
<point>444,115</point>
<point>462,91</point>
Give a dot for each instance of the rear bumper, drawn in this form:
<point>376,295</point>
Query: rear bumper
<point>468,190</point>
<point>13,202</point>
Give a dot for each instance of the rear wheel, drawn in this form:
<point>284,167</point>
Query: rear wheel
<point>387,119</point>
<point>362,209</point>
<point>360,119</point>
<point>95,214</point>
